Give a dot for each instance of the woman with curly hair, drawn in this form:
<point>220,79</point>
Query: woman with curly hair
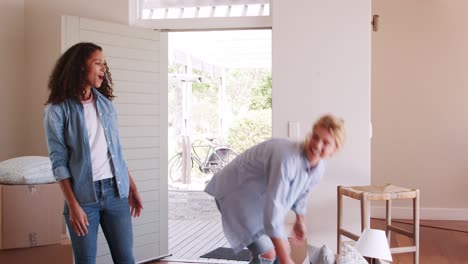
<point>84,147</point>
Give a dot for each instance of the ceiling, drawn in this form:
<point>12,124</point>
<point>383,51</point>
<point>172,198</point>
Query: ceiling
<point>225,49</point>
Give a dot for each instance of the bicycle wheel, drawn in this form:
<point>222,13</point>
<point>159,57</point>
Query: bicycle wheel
<point>175,168</point>
<point>220,158</point>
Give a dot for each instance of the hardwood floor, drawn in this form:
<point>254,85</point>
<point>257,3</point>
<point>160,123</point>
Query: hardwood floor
<point>441,242</point>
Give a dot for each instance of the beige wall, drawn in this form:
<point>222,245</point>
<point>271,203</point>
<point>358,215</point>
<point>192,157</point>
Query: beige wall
<point>43,47</point>
<point>12,78</point>
<point>419,101</point>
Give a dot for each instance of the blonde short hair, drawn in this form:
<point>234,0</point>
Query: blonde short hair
<point>335,127</point>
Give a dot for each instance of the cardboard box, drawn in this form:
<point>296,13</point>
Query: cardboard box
<point>60,253</point>
<point>30,215</point>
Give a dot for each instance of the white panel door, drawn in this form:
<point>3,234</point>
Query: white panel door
<point>137,59</point>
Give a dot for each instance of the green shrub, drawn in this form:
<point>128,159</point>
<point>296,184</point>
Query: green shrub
<point>250,129</point>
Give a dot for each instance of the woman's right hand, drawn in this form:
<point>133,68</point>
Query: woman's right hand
<point>78,220</point>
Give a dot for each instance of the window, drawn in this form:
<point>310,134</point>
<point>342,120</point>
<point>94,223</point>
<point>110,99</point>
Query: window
<point>175,9</point>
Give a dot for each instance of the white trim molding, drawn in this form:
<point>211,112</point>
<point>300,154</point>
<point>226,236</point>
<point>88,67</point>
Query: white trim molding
<point>426,213</point>
<point>191,3</point>
<point>212,23</point>
<point>133,11</point>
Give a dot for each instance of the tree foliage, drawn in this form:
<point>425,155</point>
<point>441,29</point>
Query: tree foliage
<point>253,122</point>
<point>246,106</point>
<point>250,129</point>
<point>240,86</point>
<point>260,95</point>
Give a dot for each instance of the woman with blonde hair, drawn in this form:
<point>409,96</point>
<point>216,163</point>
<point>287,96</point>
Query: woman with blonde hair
<point>255,191</point>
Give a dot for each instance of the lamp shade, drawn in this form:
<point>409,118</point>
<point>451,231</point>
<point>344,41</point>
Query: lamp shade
<point>373,244</point>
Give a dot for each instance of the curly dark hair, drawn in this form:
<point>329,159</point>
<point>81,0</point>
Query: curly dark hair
<point>68,79</point>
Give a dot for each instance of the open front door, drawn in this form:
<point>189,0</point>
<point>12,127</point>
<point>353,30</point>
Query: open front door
<point>138,62</point>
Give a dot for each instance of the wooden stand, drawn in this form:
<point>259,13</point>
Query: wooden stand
<point>366,194</point>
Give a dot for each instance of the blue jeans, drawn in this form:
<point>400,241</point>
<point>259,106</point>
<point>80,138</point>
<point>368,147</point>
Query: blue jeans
<point>260,246</point>
<point>113,213</point>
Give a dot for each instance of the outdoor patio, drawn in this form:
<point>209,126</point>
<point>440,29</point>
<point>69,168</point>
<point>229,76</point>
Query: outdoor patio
<point>194,226</point>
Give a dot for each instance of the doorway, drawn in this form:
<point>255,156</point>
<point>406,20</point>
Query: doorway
<point>219,104</point>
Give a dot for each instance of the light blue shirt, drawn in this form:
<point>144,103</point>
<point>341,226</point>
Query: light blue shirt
<point>69,150</point>
<point>256,190</point>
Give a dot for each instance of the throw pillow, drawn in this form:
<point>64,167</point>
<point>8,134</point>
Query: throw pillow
<point>26,170</point>
<point>313,254</point>
<point>326,255</point>
<point>349,255</point>
<point>323,255</point>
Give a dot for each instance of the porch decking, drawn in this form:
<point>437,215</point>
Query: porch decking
<point>189,239</point>
<point>194,227</point>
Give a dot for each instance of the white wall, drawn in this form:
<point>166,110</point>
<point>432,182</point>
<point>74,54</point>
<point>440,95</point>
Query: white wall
<point>419,102</point>
<point>43,47</point>
<point>12,78</point>
<point>321,64</point>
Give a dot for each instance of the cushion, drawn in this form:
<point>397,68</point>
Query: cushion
<point>323,255</point>
<point>26,170</point>
<point>349,255</point>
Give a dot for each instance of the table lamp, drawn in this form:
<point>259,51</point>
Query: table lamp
<point>373,244</point>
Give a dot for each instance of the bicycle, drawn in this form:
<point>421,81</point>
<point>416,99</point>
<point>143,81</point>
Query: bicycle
<point>217,157</point>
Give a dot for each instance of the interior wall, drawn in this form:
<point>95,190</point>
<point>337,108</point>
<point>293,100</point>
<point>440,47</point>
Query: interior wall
<point>43,47</point>
<point>321,64</point>
<point>12,78</point>
<point>419,109</point>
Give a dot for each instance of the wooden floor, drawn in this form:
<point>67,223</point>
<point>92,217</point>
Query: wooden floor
<point>189,239</point>
<point>441,242</point>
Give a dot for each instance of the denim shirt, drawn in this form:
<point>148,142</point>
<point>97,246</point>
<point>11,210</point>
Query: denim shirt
<point>255,191</point>
<point>69,150</point>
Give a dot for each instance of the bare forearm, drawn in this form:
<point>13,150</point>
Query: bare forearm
<point>78,218</point>
<point>281,248</point>
<point>134,198</point>
<point>299,227</point>
<point>300,218</point>
<point>67,191</point>
<point>132,182</point>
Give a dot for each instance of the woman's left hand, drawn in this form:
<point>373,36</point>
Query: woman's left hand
<point>299,229</point>
<point>134,200</point>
